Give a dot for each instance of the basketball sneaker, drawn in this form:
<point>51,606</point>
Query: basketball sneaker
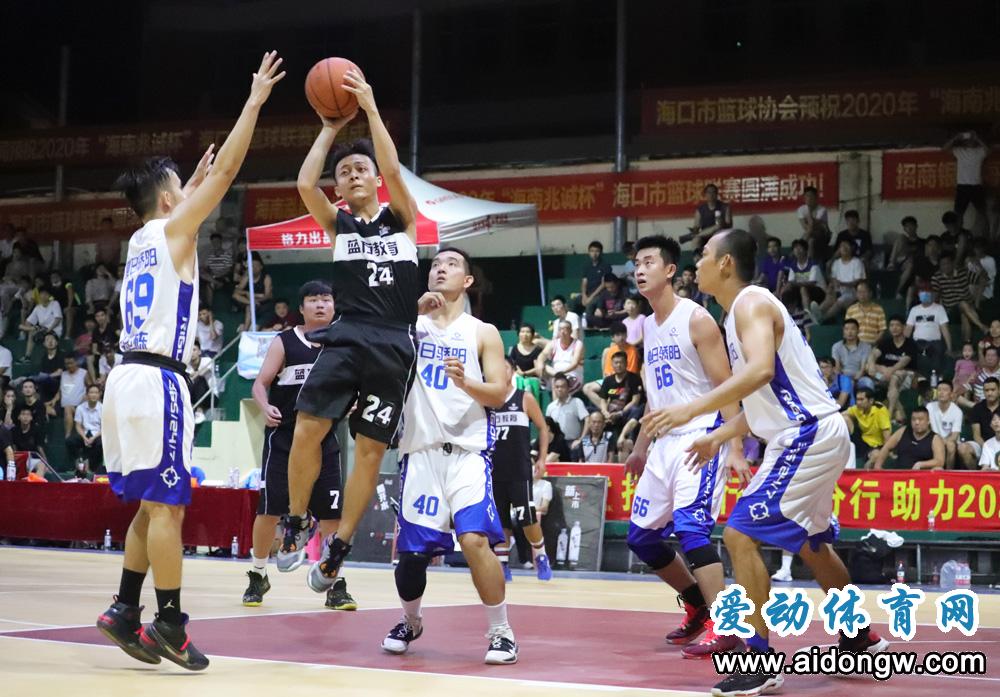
<point>781,575</point>
<point>121,624</point>
<point>544,570</point>
<point>399,638</point>
<point>253,596</point>
<point>502,649</point>
<point>749,685</point>
<point>337,598</point>
<point>712,643</point>
<point>865,642</point>
<point>323,572</point>
<point>297,531</point>
<point>172,643</point>
<point>692,626</point>
<point>508,575</point>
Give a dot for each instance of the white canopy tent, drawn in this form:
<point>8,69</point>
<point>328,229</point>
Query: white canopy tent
<point>444,217</point>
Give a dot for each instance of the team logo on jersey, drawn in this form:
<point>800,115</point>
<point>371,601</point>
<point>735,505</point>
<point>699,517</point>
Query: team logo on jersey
<point>759,511</point>
<point>170,477</point>
<point>673,332</point>
<point>384,230</point>
<point>512,407</point>
<point>700,515</point>
<point>457,336</point>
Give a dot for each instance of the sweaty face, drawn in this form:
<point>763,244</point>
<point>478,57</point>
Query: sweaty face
<point>448,273</point>
<point>652,273</point>
<point>357,181</point>
<point>317,308</point>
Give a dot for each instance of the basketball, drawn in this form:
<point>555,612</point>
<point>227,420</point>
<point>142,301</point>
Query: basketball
<point>325,88</point>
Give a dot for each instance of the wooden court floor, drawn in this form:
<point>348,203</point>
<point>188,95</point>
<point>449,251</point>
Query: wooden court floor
<point>578,637</point>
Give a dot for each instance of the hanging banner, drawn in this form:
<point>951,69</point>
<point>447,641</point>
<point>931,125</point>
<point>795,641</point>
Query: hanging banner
<point>252,349</point>
<point>927,174</point>
<point>79,220</point>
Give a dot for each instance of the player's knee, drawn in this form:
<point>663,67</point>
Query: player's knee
<point>411,575</point>
<point>474,542</point>
<point>736,541</point>
<point>310,430</point>
<point>703,555</point>
<point>650,547</point>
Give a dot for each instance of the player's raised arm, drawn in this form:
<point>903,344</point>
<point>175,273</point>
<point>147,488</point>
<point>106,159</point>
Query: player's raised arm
<point>190,213</point>
<point>315,200</point>
<point>402,202</point>
<point>492,391</point>
<point>274,361</point>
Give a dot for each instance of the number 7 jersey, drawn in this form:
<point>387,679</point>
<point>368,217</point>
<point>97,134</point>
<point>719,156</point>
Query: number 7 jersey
<point>157,307</point>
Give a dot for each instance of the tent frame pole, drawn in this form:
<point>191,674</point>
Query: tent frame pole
<point>538,253</point>
<point>253,303</point>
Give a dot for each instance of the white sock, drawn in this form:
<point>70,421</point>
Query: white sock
<point>411,609</point>
<point>538,550</point>
<point>496,615</point>
<point>502,552</point>
<point>260,566</point>
<point>786,562</point>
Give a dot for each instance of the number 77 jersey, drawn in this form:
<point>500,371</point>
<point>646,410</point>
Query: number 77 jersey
<point>157,307</point>
<point>673,370</point>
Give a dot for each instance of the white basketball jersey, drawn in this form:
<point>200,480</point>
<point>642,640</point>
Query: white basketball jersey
<point>797,393</point>
<point>158,309</point>
<point>436,410</point>
<point>673,370</point>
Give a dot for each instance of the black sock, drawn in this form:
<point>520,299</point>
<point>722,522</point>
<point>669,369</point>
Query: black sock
<point>169,604</point>
<point>130,587</point>
<point>692,595</point>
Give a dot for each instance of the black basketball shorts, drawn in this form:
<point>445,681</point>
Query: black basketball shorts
<point>324,503</point>
<point>514,503</point>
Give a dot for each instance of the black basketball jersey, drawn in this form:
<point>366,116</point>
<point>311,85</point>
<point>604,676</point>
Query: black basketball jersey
<point>512,452</point>
<point>299,358</point>
<point>375,268</point>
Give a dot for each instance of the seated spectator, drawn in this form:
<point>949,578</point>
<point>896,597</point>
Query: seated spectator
<point>992,338</point>
<point>564,356</point>
<point>73,383</point>
<point>596,443</point>
<point>915,447</point>
<point>8,302</point>
<point>924,267</point>
<point>36,471</point>
<point>850,355</point>
<point>983,268</point>
<point>85,439</point>
<point>114,305</point>
<point>49,368</point>
<point>771,266</point>
<point>891,363</point>
<point>946,421</point>
<point>83,344</point>
<point>840,387</point>
<point>45,318</point>
<point>566,410</point>
<point>869,424</point>
<point>990,457</point>
<point>28,436</point>
<point>628,270</point>
<point>814,220</point>
<point>954,289</point>
<point>927,325</point>
<point>239,265</point>
<point>905,250</point>
<point>609,306</point>
<point>110,358</point>
<point>199,369</point>
<point>558,445</point>
<point>65,295</point>
<point>801,276</point>
<point>868,314</point>
<point>981,415</point>
<point>262,288</point>
<point>217,271</point>
<point>846,272</point>
<point>800,316</point>
<point>210,331</point>
<point>283,317</point>
<point>966,369</point>
<point>688,282</point>
<point>859,238</point>
<point>620,398</point>
<point>98,290</point>
<point>989,368</point>
<point>8,409</point>
<point>524,354</point>
<point>619,344</point>
<point>104,334</point>
<point>710,217</point>
<point>562,314</point>
<point>30,398</point>
<point>953,229</point>
<point>633,321</point>
<point>6,366</point>
<point>18,266</point>
<point>592,281</point>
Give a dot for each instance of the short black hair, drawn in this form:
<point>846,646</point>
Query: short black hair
<point>946,255</point>
<point>204,306</point>
<point>560,377</point>
<point>826,359</point>
<point>362,146</point>
<point>810,190</point>
<point>691,267</point>
<point>742,247</point>
<point>919,410</point>
<point>460,252</point>
<point>800,243</point>
<point>560,298</point>
<point>946,382</point>
<point>991,381</point>
<point>863,282</point>
<point>773,239</point>
<point>215,236</point>
<point>851,320</point>
<point>528,325</point>
<point>610,277</point>
<point>949,218</point>
<point>105,310</point>
<point>710,186</point>
<point>142,184</point>
<point>933,238</point>
<point>25,408</point>
<point>908,219</point>
<point>866,391</point>
<point>596,243</point>
<point>281,300</point>
<point>669,249</point>
<point>618,328</point>
<point>314,287</point>
<point>852,214</point>
<point>897,318</point>
<point>619,354</point>
<point>994,349</point>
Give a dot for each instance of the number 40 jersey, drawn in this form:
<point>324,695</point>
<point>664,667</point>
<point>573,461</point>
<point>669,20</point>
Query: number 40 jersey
<point>158,308</point>
<point>437,411</point>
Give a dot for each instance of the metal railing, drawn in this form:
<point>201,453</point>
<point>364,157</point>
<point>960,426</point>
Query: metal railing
<point>220,379</point>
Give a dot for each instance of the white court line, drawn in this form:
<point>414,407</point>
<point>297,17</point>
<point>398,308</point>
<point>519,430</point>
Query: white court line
<point>28,624</point>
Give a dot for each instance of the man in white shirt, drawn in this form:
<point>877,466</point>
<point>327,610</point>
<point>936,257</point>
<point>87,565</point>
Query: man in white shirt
<point>969,152</point>
<point>815,224</point>
<point>73,382</point>
<point>946,421</point>
<point>209,332</point>
<point>927,325</point>
<point>45,317</point>
<point>845,274</point>
<point>561,310</point>
<point>85,440</point>
<point>567,411</point>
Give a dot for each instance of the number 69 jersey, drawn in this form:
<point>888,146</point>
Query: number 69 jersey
<point>158,309</point>
<point>673,370</point>
<point>437,411</point>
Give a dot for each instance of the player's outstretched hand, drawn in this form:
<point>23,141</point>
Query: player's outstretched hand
<point>635,463</point>
<point>739,466</point>
<point>265,78</point>
<point>429,301</point>
<point>200,172</point>
<point>354,82</point>
<point>338,123</point>
<point>660,421</point>
<point>455,370</point>
<point>272,416</point>
<point>701,452</point>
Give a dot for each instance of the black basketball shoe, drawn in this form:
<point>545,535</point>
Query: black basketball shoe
<point>260,584</point>
<point>121,624</point>
<point>172,643</point>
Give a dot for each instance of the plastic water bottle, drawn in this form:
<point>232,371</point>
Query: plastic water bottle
<point>107,540</point>
<point>11,470</point>
<point>930,521</point>
<point>901,573</point>
<point>562,546</point>
<point>935,576</point>
<point>934,379</point>
<point>948,572</point>
<point>963,576</point>
<point>574,544</point>
<point>234,548</point>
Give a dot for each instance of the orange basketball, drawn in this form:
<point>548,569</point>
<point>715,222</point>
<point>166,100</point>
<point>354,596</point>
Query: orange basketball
<point>325,88</point>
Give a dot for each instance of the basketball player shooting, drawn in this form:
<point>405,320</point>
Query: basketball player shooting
<point>148,420</point>
<point>368,353</point>
<point>789,501</point>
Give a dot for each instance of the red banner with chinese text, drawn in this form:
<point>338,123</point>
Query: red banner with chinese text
<point>77,220</point>
<point>271,204</point>
<point>667,193</point>
<point>888,500</point>
<point>798,106</point>
<point>927,174</point>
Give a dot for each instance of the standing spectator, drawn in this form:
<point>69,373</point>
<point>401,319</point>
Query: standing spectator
<point>110,359</point>
<point>992,338</point>
<point>217,271</point>
<point>566,356</point>
<point>869,424</point>
<point>565,410</point>
<point>31,399</point>
<point>98,290</point>
<point>815,223</point>
<point>965,373</point>
<point>891,362</point>
<point>850,355</point>
<point>73,384</point>
<point>85,439</point>
<point>262,288</point>
<point>283,317</point>
<point>209,332</point>
<point>28,436</point>
<point>946,421</point>
<point>953,288</point>
<point>6,366</point>
<point>628,270</point>
<point>802,276</point>
<point>609,306</point>
<point>983,268</point>
<point>868,314</point>
<point>8,301</point>
<point>525,354</point>
<point>19,265</point>
<point>846,272</point>
<point>46,317</point>
<point>859,238</point>
<point>596,444</point>
<point>927,325</point>
<point>593,276</point>
<point>916,447</point>
<point>562,314</point>
<point>633,321</point>
<point>990,458</point>
<point>840,387</point>
<point>990,369</point>
<point>906,249</point>
<point>981,416</point>
<point>970,152</point>
<point>711,216</point>
<point>64,294</point>
<point>771,266</point>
